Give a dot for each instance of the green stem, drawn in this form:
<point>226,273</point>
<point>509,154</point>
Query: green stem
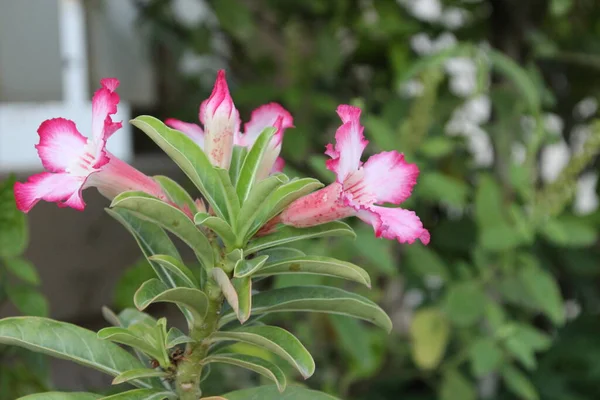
<point>189,370</point>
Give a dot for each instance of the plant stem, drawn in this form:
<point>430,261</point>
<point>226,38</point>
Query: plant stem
<point>189,370</point>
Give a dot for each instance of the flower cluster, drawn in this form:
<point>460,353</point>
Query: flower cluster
<point>74,163</point>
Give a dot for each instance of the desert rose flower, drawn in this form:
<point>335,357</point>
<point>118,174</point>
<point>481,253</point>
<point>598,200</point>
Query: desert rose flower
<point>74,162</point>
<point>222,128</point>
<point>360,189</point>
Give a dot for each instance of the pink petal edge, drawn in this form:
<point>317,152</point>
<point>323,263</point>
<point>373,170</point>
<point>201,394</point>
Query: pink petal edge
<point>389,177</point>
<point>60,144</point>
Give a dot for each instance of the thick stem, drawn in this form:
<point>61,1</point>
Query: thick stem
<point>189,370</point>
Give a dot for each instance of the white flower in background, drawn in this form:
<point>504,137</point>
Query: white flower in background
<point>463,76</point>
<point>411,88</point>
<point>190,12</point>
<point>572,309</point>
<point>554,158</point>
<point>518,153</point>
<point>191,63</point>
<point>433,282</point>
<point>421,44</point>
<point>553,124</point>
<point>586,108</point>
<point>586,199</point>
<point>413,298</point>
<point>479,109</point>
<point>424,10</point>
<point>454,17</point>
<point>579,135</point>
<point>445,41</point>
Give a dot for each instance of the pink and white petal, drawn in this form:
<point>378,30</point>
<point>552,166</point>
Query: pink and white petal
<point>104,104</point>
<point>60,145</point>
<point>219,102</point>
<point>194,131</point>
<point>263,117</point>
<point>350,143</point>
<point>278,165</point>
<point>395,223</point>
<point>62,188</point>
<point>389,177</point>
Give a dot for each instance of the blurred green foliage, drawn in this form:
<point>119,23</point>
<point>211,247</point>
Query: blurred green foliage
<point>23,372</point>
<point>481,312</point>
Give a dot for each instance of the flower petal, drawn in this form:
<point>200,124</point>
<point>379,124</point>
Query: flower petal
<point>221,123</point>
<point>194,131</point>
<point>104,104</point>
<point>389,177</point>
<point>317,208</point>
<point>60,144</point>
<point>62,188</point>
<point>278,165</point>
<point>395,223</point>
<point>263,117</point>
<point>349,143</point>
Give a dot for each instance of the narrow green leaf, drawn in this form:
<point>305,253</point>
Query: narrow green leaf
<point>316,299</point>
<point>456,386</point>
<point>131,316</point>
<point>170,218</point>
<point>229,196</point>
<point>429,333</point>
<point>248,267</point>
<point>139,373</point>
<point>238,155</point>
<point>143,394</point>
<point>281,253</point>
<point>518,383</point>
<point>316,265</point>
<point>192,161</point>
<point>272,393</point>
<point>486,356</point>
<point>243,288</point>
<point>464,303</point>
<point>228,290</point>
<point>153,291</point>
<point>69,342</point>
<point>22,269</point>
<point>275,339</point>
<point>254,205</point>
<point>251,164</point>
<point>61,396</point>
<point>219,226</point>
<point>176,337</point>
<point>288,234</point>
<point>177,268</point>
<point>176,193</point>
<point>543,291</point>
<point>252,363</point>
<point>152,240</point>
<point>131,339</point>
<point>285,194</point>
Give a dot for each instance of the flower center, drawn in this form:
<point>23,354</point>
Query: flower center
<point>84,164</point>
<point>355,188</point>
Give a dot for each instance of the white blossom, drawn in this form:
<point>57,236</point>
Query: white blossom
<point>586,108</point>
<point>554,158</point>
<point>586,199</point>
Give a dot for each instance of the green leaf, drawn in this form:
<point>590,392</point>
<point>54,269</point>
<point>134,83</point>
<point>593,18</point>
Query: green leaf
<point>464,303</point>
<point>129,281</point>
<point>486,357</point>
<point>316,265</point>
<point>285,194</point>
<point>139,373</point>
<point>219,226</point>
<point>251,165</point>
<point>275,339</point>
<point>176,193</point>
<point>228,290</point>
<point>488,203</point>
<point>153,291</point>
<point>193,162</point>
<point>243,288</point>
<point>62,396</point>
<point>176,267</point>
<point>518,383</point>
<point>238,155</point>
<point>28,300</point>
<point>170,218</point>
<point>272,393</point>
<point>288,234</point>
<point>281,253</point>
<point>316,299</point>
<point>131,316</point>
<point>252,363</point>
<point>543,291</point>
<point>14,234</point>
<point>176,337</point>
<point>438,187</point>
<point>569,232</point>
<point>455,386</point>
<point>152,240</point>
<point>245,268</point>
<point>429,333</point>
<point>500,238</point>
<point>254,206</point>
<point>69,342</point>
<point>137,341</point>
<point>22,269</point>
<point>424,262</point>
<point>143,394</point>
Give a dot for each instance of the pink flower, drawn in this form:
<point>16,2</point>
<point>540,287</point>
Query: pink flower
<point>222,128</point>
<point>74,162</point>
<point>360,188</point>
